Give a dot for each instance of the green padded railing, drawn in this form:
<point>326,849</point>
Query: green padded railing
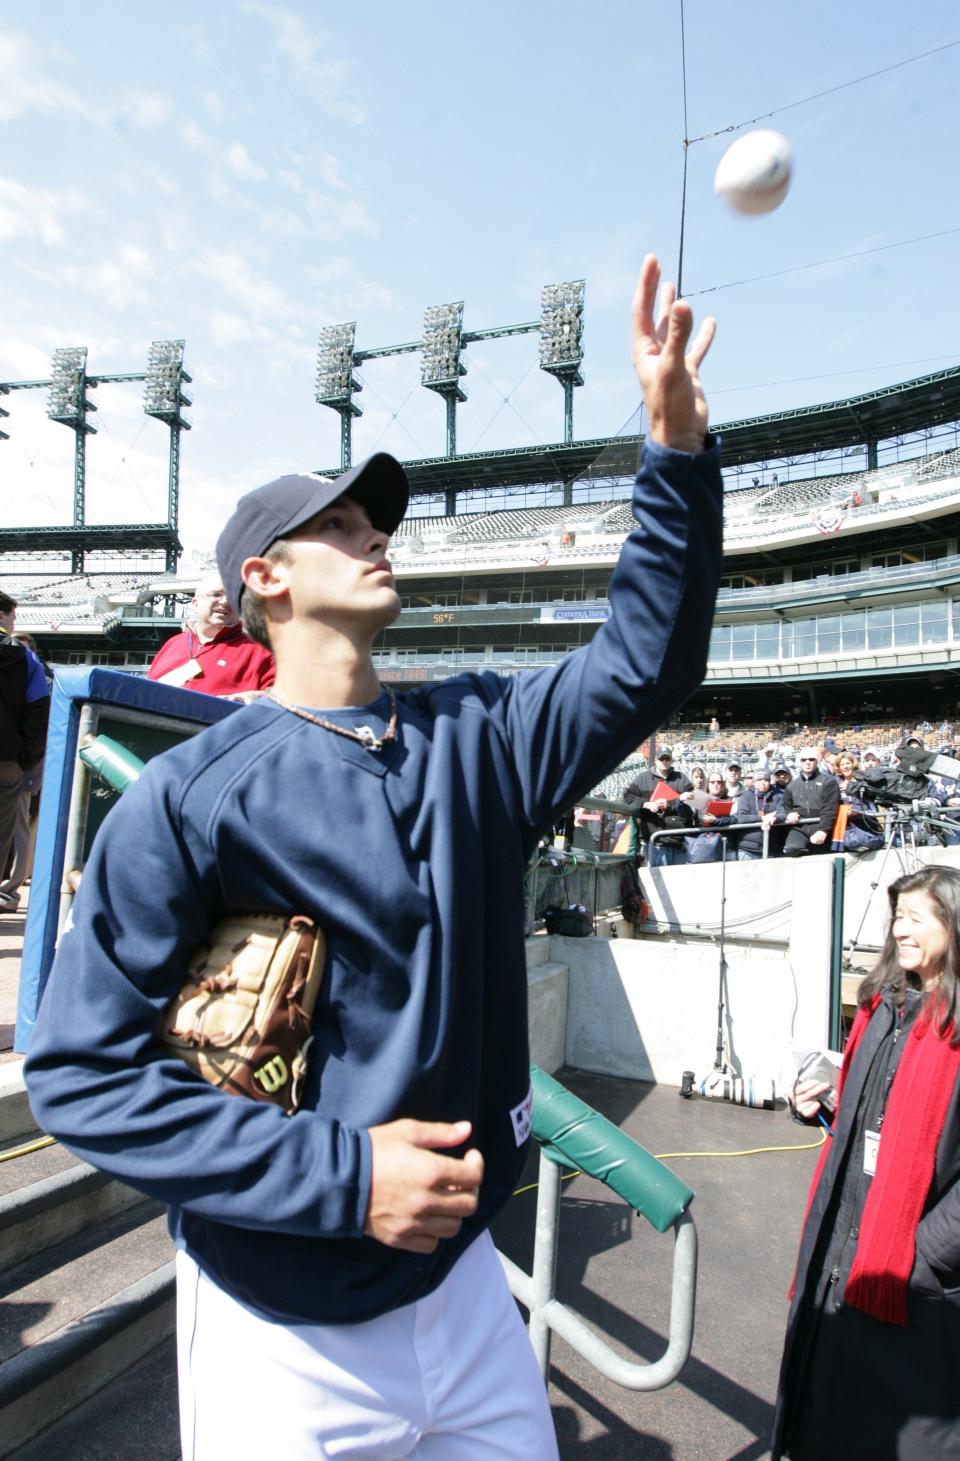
<point>117,766</point>
<point>572,1134</point>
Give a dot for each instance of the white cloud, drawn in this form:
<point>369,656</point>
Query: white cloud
<point>24,87</point>
<point>343,289</point>
<point>35,212</point>
<point>242,165</point>
<point>327,79</point>
<point>145,108</point>
<point>329,214</point>
<point>228,329</point>
<point>213,106</point>
<point>123,280</point>
<point>234,277</point>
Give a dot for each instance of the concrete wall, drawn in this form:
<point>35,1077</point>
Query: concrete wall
<point>646,1007</point>
<point>881,868</point>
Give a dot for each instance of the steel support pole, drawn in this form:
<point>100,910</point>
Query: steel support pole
<point>79,492</point>
<point>173,493</point>
<point>544,1260</point>
<point>346,439</point>
<point>568,385</point>
<point>451,401</point>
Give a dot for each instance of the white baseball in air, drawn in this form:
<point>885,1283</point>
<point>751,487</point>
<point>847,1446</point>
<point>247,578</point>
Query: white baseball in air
<point>754,173</point>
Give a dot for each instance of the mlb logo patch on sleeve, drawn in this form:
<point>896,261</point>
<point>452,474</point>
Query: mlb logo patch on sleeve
<point>522,1118</point>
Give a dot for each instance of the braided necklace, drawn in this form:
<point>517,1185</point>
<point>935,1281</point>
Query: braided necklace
<point>363,733</point>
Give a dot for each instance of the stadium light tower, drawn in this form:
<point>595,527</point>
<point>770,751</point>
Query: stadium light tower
<point>336,383</point>
<point>440,368</point>
<point>561,341</point>
<point>164,400</point>
<point>67,403</point>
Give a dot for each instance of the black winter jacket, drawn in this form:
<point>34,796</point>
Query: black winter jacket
<point>678,814</point>
<point>23,709</point>
<point>813,796</point>
<point>851,1386</point>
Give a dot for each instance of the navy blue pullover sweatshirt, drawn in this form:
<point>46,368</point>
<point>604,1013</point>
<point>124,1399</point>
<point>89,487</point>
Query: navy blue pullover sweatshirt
<point>412,860</point>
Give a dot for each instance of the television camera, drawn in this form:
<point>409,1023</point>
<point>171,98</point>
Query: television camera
<point>902,786</point>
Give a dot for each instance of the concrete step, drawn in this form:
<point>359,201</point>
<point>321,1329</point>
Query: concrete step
<point>16,1118</point>
<point>134,1416</point>
<point>43,1213</point>
<point>79,1314</point>
<point>22,1170</point>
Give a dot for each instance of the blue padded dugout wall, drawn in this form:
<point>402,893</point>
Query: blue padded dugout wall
<point>149,716</point>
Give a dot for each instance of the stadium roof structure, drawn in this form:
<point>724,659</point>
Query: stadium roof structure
<point>101,537</point>
<point>892,411</point>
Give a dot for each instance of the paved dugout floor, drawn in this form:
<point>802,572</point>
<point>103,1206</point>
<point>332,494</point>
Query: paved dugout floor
<point>614,1270</point>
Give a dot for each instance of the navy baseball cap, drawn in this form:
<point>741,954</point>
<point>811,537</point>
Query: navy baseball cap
<point>267,513</point>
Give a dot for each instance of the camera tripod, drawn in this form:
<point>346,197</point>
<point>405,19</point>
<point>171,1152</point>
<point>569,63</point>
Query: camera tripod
<point>900,838</point>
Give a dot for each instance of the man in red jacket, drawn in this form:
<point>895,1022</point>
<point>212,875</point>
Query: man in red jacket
<point>213,654</point>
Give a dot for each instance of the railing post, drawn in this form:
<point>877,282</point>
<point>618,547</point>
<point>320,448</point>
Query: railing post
<point>545,1260</point>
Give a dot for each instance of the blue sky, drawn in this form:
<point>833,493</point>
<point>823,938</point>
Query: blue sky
<point>241,173</point>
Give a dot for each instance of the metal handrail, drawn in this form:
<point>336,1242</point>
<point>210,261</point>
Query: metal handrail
<point>574,1135</point>
<point>728,827</point>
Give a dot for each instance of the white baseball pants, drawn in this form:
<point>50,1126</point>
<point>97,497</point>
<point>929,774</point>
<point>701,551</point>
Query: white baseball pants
<point>449,1378</point>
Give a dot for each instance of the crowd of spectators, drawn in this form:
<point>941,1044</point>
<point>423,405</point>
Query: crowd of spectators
<point>792,800</point>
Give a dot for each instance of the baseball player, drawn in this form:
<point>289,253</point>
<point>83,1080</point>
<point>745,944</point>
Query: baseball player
<point>338,1290</point>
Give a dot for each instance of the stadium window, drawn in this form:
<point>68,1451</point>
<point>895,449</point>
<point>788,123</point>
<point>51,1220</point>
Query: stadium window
<point>720,643</point>
<point>833,568</point>
<point>744,641</point>
<point>854,630</point>
<point>955,619</point>
<point>906,624</point>
<point>786,639</point>
<point>768,641</point>
<point>519,596</point>
<point>804,637</point>
<point>933,618</point>
<point>879,628</point>
<point>828,634</point>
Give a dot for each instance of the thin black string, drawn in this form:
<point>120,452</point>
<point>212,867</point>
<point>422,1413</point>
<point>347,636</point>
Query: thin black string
<point>686,149</point>
<point>820,263</point>
<point>869,76</point>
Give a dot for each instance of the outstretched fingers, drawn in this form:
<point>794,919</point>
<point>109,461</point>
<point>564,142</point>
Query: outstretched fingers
<point>644,328</point>
<point>702,342</point>
<point>668,295</point>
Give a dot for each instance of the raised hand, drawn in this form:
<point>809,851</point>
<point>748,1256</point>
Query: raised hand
<point>669,372</point>
<point>417,1195</point>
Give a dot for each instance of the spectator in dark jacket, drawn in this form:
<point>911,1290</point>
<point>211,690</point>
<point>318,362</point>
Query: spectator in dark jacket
<point>811,794</point>
<point>658,813</point>
<point>753,804</point>
<point>24,708</point>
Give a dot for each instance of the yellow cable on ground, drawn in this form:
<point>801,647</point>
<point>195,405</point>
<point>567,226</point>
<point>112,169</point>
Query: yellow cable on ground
<point>754,1151</point>
<point>31,1146</point>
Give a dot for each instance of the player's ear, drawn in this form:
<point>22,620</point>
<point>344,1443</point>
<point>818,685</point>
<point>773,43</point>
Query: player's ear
<point>265,577</point>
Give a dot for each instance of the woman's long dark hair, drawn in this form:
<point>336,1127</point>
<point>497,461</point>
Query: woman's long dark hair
<point>942,886</point>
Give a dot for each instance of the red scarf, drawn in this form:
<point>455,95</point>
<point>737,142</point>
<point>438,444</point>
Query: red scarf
<point>912,1124</point>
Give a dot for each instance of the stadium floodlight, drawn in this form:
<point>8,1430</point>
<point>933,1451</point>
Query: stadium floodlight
<point>440,368</point>
<point>66,399</point>
<point>335,383</point>
<point>163,395</point>
<point>561,326</point>
<point>561,340</point>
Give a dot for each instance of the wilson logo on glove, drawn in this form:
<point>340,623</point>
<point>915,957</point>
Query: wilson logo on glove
<point>244,1018</point>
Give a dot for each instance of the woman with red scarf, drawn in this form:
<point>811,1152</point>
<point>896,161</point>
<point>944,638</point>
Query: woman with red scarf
<point>871,1364</point>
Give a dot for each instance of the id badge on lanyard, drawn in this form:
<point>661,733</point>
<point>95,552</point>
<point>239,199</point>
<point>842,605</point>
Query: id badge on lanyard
<point>871,1148</point>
